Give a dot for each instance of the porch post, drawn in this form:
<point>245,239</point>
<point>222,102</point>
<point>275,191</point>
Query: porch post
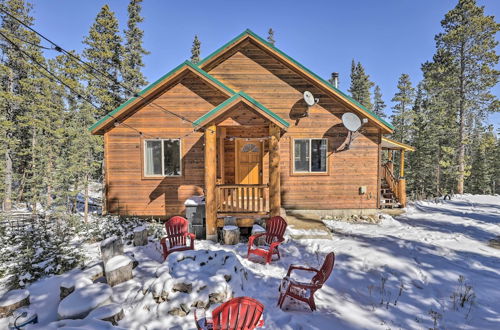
<point>274,171</point>
<point>210,176</point>
<point>402,180</point>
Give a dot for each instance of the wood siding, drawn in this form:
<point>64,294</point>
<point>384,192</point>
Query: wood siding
<point>129,192</point>
<point>280,89</point>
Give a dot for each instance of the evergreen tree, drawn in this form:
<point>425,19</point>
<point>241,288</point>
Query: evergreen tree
<point>469,41</point>
<point>16,91</point>
<point>196,50</point>
<point>402,115</point>
<point>378,103</point>
<point>133,51</point>
<point>270,36</point>
<point>104,52</point>
<point>360,85</point>
<point>483,171</point>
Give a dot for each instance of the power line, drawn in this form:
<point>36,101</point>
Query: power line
<point>105,74</point>
<point>55,77</point>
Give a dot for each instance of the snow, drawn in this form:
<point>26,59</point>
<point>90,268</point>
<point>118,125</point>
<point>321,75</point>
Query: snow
<point>429,268</point>
<point>140,229</point>
<point>195,201</point>
<point>13,297</point>
<point>83,300</point>
<point>117,262</point>
<point>229,227</point>
<point>257,229</point>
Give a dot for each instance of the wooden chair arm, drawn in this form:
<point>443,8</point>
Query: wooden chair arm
<point>293,267</point>
<point>252,238</point>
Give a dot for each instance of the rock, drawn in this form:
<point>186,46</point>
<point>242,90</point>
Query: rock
<point>12,300</point>
<point>140,236</point>
<point>83,300</point>
<point>231,235</point>
<point>118,270</point>
<point>217,297</point>
<point>109,313</point>
<point>111,247</point>
<point>182,287</point>
<point>94,272</point>
<point>177,312</point>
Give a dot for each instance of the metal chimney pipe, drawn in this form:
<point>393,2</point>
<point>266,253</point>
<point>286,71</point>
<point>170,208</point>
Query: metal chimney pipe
<point>335,78</point>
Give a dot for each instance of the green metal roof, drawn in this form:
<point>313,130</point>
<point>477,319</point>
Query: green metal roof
<point>249,32</point>
<point>244,95</point>
<point>166,76</point>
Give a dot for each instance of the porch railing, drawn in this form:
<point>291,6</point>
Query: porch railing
<point>242,198</point>
<point>397,186</point>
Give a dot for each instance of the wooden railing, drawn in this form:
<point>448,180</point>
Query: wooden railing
<point>242,198</point>
<point>397,186</point>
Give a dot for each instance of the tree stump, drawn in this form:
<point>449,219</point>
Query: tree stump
<point>94,272</point>
<point>69,285</point>
<point>140,236</point>
<point>12,300</point>
<point>109,313</point>
<point>256,229</point>
<point>231,235</point>
<point>111,247</point>
<point>118,270</point>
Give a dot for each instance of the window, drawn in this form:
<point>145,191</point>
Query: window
<point>162,157</point>
<point>309,156</point>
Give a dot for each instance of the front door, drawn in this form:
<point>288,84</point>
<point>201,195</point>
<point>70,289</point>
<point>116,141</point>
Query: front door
<point>248,162</point>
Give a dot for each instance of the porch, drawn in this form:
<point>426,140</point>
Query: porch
<point>393,185</point>
<point>242,174</point>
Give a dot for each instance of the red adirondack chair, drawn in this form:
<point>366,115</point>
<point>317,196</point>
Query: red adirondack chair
<point>175,240</point>
<point>275,229</point>
<point>242,313</point>
<point>305,291</point>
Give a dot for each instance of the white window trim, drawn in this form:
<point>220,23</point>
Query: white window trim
<point>309,156</point>
<point>162,159</point>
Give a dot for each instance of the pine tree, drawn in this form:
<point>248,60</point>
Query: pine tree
<point>133,51</point>
<point>378,103</point>
<point>360,85</point>
<point>104,52</point>
<point>195,50</point>
<point>15,95</point>
<point>483,171</point>
<point>402,116</point>
<point>469,39</point>
<point>270,36</point>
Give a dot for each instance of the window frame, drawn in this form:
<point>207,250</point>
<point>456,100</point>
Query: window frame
<point>309,172</point>
<point>156,176</point>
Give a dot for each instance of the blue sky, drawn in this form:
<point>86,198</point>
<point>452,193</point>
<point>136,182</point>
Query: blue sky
<point>389,37</point>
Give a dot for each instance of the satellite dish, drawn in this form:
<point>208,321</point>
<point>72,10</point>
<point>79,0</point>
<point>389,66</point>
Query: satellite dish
<point>351,121</point>
<point>309,98</point>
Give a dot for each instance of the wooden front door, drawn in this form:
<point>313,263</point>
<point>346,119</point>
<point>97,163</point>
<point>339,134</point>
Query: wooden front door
<point>248,162</point>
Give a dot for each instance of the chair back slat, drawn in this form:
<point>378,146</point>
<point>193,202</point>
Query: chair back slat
<point>242,313</point>
<point>176,227</point>
<point>275,229</point>
<point>325,270</point>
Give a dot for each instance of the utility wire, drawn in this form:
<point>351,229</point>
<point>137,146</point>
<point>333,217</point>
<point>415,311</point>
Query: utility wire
<point>55,77</point>
<point>105,74</point>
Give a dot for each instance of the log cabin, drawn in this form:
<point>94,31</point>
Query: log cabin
<point>235,128</point>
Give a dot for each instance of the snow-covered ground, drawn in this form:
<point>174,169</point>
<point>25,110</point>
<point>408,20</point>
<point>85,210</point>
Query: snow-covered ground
<point>430,268</point>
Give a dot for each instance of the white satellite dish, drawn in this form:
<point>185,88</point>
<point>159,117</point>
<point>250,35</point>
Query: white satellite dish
<point>309,98</point>
<point>351,121</point>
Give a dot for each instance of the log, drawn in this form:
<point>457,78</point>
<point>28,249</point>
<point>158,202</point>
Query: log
<point>109,313</point>
<point>118,270</point>
<point>69,285</point>
<point>111,247</point>
<point>12,300</point>
<point>140,236</point>
<point>231,235</point>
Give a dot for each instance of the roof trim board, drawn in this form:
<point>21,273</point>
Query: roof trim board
<point>187,65</point>
<point>393,144</point>
<point>346,98</point>
<point>238,97</point>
